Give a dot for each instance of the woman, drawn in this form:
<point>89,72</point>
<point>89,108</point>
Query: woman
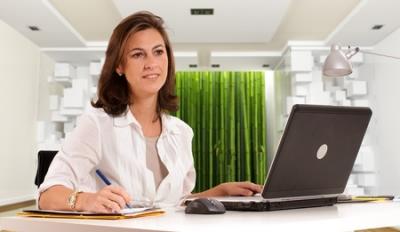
<point>128,135</point>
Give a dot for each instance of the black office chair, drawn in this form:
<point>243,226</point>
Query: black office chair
<point>44,161</point>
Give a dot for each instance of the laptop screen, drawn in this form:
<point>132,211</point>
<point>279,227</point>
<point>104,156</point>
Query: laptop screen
<point>317,151</point>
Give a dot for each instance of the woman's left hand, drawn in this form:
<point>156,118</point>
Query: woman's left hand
<point>238,189</point>
<point>231,189</point>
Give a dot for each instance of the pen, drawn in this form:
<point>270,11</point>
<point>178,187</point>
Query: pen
<point>106,181</point>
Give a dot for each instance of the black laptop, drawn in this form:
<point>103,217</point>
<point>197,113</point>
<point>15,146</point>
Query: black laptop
<point>313,161</point>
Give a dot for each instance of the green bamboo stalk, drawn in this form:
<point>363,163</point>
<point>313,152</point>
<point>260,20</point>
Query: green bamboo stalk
<point>225,147</point>
<point>240,139</point>
<point>232,120</point>
<point>210,130</point>
<point>222,107</point>
<point>264,130</point>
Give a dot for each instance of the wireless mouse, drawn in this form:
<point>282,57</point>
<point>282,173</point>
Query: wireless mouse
<point>205,206</point>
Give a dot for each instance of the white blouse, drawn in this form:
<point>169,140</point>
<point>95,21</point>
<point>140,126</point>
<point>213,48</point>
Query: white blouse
<point>117,146</point>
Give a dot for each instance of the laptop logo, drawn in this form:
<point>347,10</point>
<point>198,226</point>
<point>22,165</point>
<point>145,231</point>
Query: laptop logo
<point>322,150</point>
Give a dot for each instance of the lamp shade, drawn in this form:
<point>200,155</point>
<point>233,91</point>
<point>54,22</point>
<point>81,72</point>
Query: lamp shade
<point>336,63</point>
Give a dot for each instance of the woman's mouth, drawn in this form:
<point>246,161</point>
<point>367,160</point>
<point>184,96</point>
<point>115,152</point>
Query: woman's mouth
<point>151,76</point>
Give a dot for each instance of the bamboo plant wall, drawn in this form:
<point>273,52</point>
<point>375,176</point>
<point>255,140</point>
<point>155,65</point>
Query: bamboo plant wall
<point>227,113</point>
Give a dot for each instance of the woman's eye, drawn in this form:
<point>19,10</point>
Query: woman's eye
<point>137,55</point>
<point>159,52</point>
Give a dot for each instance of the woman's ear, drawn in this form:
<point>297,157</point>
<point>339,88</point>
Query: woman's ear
<point>119,70</point>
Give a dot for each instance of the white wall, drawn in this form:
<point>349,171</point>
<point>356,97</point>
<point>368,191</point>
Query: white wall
<point>271,120</point>
<point>385,102</point>
<point>19,68</point>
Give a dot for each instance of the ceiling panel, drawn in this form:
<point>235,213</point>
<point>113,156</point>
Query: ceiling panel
<point>55,31</point>
<point>234,21</point>
<point>356,28</point>
<point>94,19</point>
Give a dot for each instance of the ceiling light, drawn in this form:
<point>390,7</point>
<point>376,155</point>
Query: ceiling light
<point>377,27</point>
<point>34,28</point>
<point>202,11</point>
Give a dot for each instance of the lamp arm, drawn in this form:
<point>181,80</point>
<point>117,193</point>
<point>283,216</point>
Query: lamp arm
<point>351,52</point>
<point>378,54</point>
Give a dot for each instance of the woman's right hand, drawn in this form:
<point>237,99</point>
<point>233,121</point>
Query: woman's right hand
<point>107,200</point>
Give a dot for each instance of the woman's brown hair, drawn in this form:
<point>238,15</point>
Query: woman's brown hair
<point>114,92</point>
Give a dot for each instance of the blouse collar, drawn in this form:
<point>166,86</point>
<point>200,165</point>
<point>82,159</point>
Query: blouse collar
<point>126,119</point>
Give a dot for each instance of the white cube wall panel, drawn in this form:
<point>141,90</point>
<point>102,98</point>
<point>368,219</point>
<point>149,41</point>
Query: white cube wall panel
<point>64,70</point>
<point>322,98</point>
<point>340,95</point>
<point>316,87</point>
<point>70,112</point>
<point>290,101</point>
<point>354,75</point>
<point>64,81</point>
<point>318,95</point>
<point>54,102</point>
<point>366,179</point>
<point>367,159</point>
<point>351,180</point>
<point>68,127</point>
<point>95,68</point>
<point>303,77</point>
<point>301,90</point>
<point>82,84</point>
<point>93,90</point>
<point>56,117</point>
<point>78,90</point>
<point>356,88</point>
<point>322,59</point>
<point>301,61</point>
<point>82,72</point>
<point>360,102</point>
<point>329,85</point>
<point>354,190</point>
<point>73,98</point>
<point>358,162</point>
<point>344,103</point>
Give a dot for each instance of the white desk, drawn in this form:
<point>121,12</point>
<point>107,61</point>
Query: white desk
<point>341,217</point>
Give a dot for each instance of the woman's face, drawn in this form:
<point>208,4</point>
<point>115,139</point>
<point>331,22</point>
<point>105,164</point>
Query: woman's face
<point>146,63</point>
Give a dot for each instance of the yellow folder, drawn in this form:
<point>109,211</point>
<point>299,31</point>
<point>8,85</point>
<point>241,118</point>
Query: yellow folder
<point>134,213</point>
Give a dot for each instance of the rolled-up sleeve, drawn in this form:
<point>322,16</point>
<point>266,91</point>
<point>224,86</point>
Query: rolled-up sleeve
<point>80,153</point>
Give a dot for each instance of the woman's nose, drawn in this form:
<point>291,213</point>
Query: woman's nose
<point>150,63</point>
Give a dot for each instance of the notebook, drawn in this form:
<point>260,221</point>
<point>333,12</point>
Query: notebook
<point>313,161</point>
<point>124,214</point>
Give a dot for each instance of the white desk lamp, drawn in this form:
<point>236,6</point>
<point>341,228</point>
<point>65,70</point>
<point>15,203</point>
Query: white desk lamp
<point>337,63</point>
